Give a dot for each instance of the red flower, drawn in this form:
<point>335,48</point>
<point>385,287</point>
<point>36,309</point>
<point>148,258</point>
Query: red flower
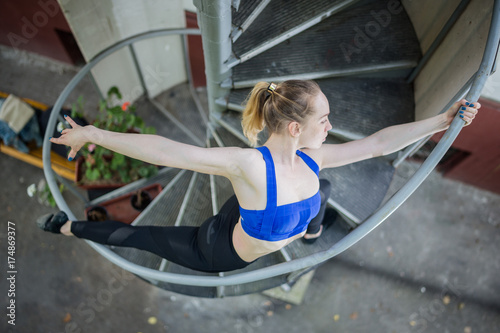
<point>125,106</point>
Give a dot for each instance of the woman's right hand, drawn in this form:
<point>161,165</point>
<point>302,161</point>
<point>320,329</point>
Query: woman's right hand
<point>74,137</point>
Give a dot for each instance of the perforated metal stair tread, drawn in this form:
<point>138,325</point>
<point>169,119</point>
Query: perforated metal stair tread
<point>360,187</point>
<point>278,17</point>
<point>223,189</point>
<point>333,45</point>
<point>164,176</point>
<point>199,206</point>
<point>358,106</point>
<point>164,126</point>
<point>246,8</point>
<point>331,235</point>
<point>179,102</point>
<point>363,106</point>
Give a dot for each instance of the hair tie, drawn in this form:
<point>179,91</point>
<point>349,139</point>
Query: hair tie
<point>272,87</point>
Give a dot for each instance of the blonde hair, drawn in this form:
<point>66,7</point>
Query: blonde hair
<point>274,109</point>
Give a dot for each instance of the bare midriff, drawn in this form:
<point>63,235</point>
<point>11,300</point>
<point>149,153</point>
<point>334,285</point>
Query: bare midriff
<point>249,248</point>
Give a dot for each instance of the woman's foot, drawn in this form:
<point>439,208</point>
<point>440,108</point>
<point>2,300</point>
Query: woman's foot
<point>328,220</point>
<point>313,237</point>
<point>56,224</point>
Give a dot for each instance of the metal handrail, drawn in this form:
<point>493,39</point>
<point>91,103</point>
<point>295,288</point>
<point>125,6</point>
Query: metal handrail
<point>438,40</point>
<point>284,268</point>
<point>414,147</point>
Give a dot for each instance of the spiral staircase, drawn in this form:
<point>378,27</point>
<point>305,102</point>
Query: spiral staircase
<point>360,53</point>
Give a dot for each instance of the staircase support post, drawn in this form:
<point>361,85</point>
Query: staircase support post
<point>214,20</point>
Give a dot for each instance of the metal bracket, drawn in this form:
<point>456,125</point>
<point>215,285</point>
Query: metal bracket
<point>236,4</point>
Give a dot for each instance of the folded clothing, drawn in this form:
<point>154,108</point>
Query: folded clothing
<point>16,113</point>
<point>10,138</point>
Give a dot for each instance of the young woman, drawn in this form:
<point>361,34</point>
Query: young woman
<point>278,196</point>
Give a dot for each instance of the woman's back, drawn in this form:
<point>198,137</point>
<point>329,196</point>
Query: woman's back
<point>284,200</point>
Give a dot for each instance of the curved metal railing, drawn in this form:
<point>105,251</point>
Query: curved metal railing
<point>284,268</point>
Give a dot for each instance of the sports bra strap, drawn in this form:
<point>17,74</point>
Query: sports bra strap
<point>271,188</point>
<point>309,161</point>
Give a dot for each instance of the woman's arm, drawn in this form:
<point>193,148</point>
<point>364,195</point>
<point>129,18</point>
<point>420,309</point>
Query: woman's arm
<point>153,149</point>
<point>393,138</point>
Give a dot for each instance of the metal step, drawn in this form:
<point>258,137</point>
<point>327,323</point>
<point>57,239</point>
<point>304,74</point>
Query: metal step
<point>164,209</point>
<point>337,46</point>
<point>166,124</point>
<point>246,8</point>
<point>221,187</point>
<point>178,104</point>
<point>281,20</point>
<point>331,235</point>
<point>359,106</point>
<point>231,122</point>
<point>359,188</point>
<point>199,206</point>
<point>245,16</point>
<point>163,177</point>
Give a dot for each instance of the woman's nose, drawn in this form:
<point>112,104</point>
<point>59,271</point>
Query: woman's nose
<point>329,126</point>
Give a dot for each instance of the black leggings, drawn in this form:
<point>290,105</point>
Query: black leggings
<point>207,248</point>
<point>324,190</point>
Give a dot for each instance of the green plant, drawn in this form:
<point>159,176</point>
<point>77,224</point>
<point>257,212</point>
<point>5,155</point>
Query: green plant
<point>103,166</point>
<point>44,195</point>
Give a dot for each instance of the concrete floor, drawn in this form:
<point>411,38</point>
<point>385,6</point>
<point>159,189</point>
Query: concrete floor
<point>431,267</point>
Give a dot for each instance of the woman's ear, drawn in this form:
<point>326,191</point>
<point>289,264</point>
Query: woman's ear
<point>294,129</point>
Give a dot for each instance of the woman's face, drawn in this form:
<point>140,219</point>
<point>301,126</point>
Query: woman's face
<point>316,127</point>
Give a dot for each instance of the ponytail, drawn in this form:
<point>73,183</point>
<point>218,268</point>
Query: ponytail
<point>253,115</point>
<point>273,106</point>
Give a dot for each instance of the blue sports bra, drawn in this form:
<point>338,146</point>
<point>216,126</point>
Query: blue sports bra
<point>280,222</point>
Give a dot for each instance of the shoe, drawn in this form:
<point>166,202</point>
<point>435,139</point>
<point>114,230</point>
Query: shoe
<point>52,223</point>
<point>328,220</point>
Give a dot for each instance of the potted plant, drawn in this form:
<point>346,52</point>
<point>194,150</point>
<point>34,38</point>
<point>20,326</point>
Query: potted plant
<point>99,167</point>
<point>124,208</point>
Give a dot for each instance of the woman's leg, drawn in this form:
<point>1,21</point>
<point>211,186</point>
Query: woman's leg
<point>314,229</point>
<point>206,248</point>
<point>171,243</point>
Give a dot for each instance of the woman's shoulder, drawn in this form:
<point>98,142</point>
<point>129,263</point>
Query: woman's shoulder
<point>249,182</point>
<point>315,154</point>
<point>250,161</point>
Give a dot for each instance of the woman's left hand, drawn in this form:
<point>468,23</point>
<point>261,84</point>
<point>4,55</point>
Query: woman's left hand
<point>466,110</point>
